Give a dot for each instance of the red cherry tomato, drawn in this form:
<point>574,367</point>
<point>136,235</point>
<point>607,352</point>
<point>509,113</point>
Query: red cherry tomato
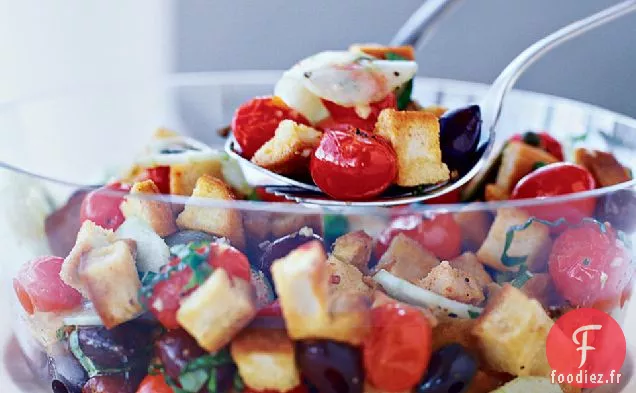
<point>543,140</point>
<point>39,287</point>
<point>160,175</point>
<point>557,179</point>
<point>154,384</point>
<point>341,117</point>
<point>397,351</point>
<point>255,122</point>
<point>101,206</point>
<point>234,262</point>
<point>590,266</point>
<point>353,165</point>
<point>440,234</point>
<point>263,195</point>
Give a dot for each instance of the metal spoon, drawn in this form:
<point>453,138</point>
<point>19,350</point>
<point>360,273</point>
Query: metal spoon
<point>490,106</point>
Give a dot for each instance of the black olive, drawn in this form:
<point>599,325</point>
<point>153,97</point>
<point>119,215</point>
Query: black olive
<point>68,374</point>
<point>225,377</point>
<point>62,225</point>
<point>331,367</point>
<point>460,130</point>
<point>109,384</point>
<point>279,248</point>
<point>127,345</point>
<point>176,349</point>
<point>187,236</point>
<point>619,209</point>
<point>450,370</point>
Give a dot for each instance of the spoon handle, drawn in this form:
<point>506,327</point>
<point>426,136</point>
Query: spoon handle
<point>422,22</point>
<point>505,81</point>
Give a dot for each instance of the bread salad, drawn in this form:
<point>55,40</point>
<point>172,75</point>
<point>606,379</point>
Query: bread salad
<point>143,294</point>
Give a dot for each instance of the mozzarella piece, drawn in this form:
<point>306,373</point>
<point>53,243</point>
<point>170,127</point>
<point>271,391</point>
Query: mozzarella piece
<point>291,90</point>
<point>152,251</point>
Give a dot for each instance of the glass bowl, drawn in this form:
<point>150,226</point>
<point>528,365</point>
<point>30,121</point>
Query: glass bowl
<point>63,141</point>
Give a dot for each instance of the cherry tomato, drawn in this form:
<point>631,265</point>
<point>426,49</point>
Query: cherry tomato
<point>160,175</point>
<point>263,195</point>
<point>232,260</point>
<point>558,179</point>
<point>440,234</point>
<point>39,287</point>
<point>101,206</point>
<point>397,351</point>
<point>353,165</point>
<point>543,140</point>
<point>154,384</point>
<point>343,118</point>
<point>255,122</point>
<point>590,266</point>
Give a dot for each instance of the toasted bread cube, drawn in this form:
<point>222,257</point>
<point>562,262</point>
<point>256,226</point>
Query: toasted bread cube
<point>217,221</point>
<point>605,168</point>
<point>519,159</point>
<point>89,237</point>
<point>158,215</point>
<point>494,192</point>
<point>265,359</point>
<point>469,264</point>
<point>512,334</point>
<point>217,310</point>
<point>355,249</point>
<point>184,177</point>
<point>310,311</point>
<point>532,242</point>
<point>289,150</point>
<point>344,277</point>
<point>407,259</point>
<point>456,331</point>
<point>453,284</point>
<point>414,136</point>
<point>110,278</point>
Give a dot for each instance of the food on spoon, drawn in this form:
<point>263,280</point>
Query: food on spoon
<point>415,139</point>
<point>460,130</point>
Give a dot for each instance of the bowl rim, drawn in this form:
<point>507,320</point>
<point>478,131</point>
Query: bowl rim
<point>269,77</point>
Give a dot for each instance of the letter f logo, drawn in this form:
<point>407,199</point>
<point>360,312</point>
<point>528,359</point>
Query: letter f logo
<point>583,343</point>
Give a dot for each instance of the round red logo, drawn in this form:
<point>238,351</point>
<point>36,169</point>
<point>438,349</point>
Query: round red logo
<point>586,348</point>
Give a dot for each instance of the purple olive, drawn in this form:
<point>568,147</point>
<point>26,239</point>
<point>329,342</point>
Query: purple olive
<point>619,209</point>
<point>450,370</point>
<point>331,367</point>
<point>176,349</point>
<point>460,130</point>
<point>62,225</point>
<point>281,247</point>
<point>109,384</point>
<point>224,378</point>
<point>68,374</point>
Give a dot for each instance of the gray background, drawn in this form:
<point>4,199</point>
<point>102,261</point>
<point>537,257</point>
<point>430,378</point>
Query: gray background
<point>473,43</point>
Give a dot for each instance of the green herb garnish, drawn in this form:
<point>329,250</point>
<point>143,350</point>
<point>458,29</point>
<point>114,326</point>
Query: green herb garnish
<point>538,164</point>
<point>404,96</point>
<point>473,314</point>
<point>522,277</point>
<point>335,225</point>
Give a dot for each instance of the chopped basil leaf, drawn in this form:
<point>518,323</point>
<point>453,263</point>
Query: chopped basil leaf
<point>212,381</point>
<point>76,350</point>
<point>538,164</point>
<point>522,277</point>
<point>335,225</point>
<point>473,314</point>
<point>193,381</point>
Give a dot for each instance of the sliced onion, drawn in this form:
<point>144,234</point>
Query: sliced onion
<point>405,291</point>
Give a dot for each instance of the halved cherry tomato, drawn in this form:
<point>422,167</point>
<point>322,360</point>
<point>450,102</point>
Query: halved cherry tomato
<point>101,206</point>
<point>591,266</point>
<point>255,122</point>
<point>439,234</point>
<point>342,118</point>
<point>160,175</point>
<point>39,287</point>
<point>560,178</point>
<point>353,165</point>
<point>397,351</point>
<point>166,295</point>
<point>154,384</point>
<point>542,140</point>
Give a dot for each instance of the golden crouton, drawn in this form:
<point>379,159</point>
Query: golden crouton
<point>469,264</point>
<point>512,334</point>
<point>414,136</point>
<point>519,159</point>
<point>532,242</point>
<point>345,277</point>
<point>310,310</point>
<point>289,150</point>
<point>456,331</point>
<point>605,168</point>
<point>217,310</point>
<point>158,215</point>
<point>405,258</point>
<point>354,248</point>
<point>184,177</point>
<point>89,237</point>
<point>494,192</point>
<point>474,227</point>
<point>453,284</point>
<point>215,220</point>
<point>110,278</point>
<point>265,359</point>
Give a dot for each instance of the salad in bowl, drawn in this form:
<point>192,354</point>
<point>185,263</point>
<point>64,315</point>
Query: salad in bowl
<point>181,274</point>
